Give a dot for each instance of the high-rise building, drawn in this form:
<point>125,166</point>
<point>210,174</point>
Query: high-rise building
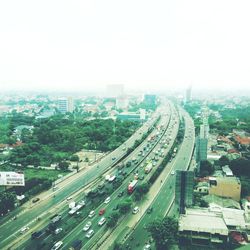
<point>202,141</point>
<point>115,90</point>
<point>70,104</point>
<point>65,105</point>
<point>189,94</point>
<point>184,185</point>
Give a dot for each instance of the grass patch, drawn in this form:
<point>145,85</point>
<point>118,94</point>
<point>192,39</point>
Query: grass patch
<point>31,173</point>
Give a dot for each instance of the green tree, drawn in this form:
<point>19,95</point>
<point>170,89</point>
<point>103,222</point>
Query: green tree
<point>240,167</point>
<point>223,161</point>
<point>164,232</point>
<point>74,158</point>
<point>125,206</point>
<point>63,165</point>
<point>206,168</point>
<point>141,190</point>
<point>117,246</point>
<point>7,202</point>
<point>112,219</point>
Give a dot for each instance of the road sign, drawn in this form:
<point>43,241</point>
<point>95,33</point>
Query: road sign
<point>12,179</point>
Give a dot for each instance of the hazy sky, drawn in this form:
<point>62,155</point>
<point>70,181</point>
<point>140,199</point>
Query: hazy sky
<point>67,45</point>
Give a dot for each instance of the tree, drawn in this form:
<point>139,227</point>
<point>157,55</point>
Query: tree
<point>7,202</point>
<point>223,161</point>
<point>74,158</point>
<point>140,191</point>
<point>112,219</point>
<point>63,165</point>
<point>240,167</point>
<point>164,232</point>
<point>206,168</point>
<point>125,206</point>
<point>117,246</point>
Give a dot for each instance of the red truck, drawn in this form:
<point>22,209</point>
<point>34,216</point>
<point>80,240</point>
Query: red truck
<point>131,186</point>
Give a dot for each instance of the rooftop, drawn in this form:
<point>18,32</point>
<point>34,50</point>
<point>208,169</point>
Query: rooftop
<point>203,221</point>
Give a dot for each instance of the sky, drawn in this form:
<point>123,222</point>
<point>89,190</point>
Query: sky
<point>145,45</point>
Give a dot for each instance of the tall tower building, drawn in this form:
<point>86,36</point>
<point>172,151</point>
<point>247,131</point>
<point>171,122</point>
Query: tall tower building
<point>189,94</point>
<point>184,185</point>
<point>202,141</point>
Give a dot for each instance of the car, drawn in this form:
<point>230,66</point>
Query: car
<point>57,245</point>
<point>113,158</point>
<point>91,214</point>
<point>102,211</point>
<point>173,172</point>
<point>141,177</point>
<point>87,226</point>
<point>69,198</point>
<point>90,233</point>
<point>102,221</point>
<point>35,200</point>
<point>24,229</point>
<point>136,210</point>
<point>107,200</point>
<point>58,230</point>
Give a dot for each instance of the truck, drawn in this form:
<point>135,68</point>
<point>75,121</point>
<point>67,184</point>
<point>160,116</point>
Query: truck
<point>73,210</point>
<point>56,218</point>
<point>131,186</point>
<point>148,168</point>
<point>72,204</point>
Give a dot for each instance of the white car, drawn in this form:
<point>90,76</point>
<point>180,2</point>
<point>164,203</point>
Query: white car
<point>69,198</point>
<point>24,229</point>
<point>173,172</point>
<point>107,200</point>
<point>57,245</point>
<point>87,226</point>
<point>101,221</point>
<point>91,214</point>
<point>90,233</point>
<point>58,230</point>
<point>136,210</point>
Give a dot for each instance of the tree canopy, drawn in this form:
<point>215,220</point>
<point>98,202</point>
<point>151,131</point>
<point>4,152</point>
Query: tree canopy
<point>164,232</point>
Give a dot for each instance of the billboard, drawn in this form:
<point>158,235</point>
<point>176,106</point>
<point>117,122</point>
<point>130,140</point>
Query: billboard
<point>11,179</point>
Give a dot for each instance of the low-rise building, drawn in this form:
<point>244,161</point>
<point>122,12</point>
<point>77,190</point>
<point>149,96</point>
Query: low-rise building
<point>202,227</point>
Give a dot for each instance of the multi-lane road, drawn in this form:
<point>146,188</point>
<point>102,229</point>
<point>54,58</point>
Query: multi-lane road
<point>72,226</point>
<point>164,199</point>
<point>10,229</point>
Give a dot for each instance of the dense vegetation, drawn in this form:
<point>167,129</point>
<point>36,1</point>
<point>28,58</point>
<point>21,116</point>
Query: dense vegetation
<point>57,138</point>
<point>164,232</point>
<point>230,117</point>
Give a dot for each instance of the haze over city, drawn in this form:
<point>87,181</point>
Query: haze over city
<point>85,45</point>
<point>124,125</point>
